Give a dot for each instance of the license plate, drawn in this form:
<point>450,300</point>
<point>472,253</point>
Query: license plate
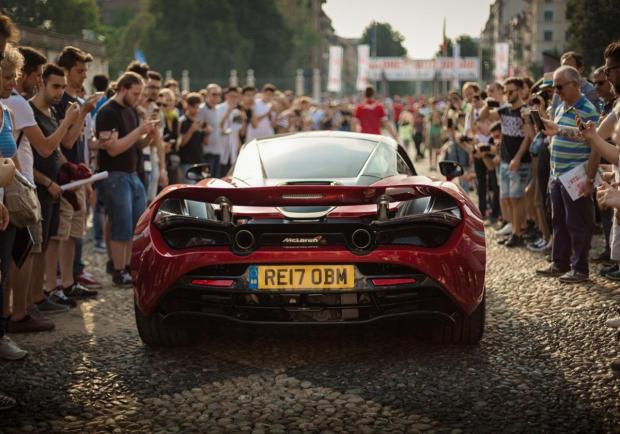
<point>301,277</point>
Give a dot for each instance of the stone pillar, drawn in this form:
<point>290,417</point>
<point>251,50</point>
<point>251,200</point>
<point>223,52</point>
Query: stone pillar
<point>249,80</point>
<point>299,82</point>
<point>316,84</point>
<point>233,81</point>
<point>184,80</point>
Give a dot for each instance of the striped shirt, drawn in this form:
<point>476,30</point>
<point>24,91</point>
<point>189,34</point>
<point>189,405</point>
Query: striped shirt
<point>8,148</point>
<point>567,153</point>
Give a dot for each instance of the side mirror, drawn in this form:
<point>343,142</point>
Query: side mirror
<point>450,169</point>
<point>198,172</point>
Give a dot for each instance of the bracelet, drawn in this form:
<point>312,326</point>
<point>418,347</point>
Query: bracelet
<point>49,185</point>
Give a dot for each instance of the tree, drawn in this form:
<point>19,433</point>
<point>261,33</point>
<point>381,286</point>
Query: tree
<point>383,40</point>
<point>592,25</point>
<point>303,35</point>
<point>270,46</point>
<point>468,46</point>
<point>68,17</point>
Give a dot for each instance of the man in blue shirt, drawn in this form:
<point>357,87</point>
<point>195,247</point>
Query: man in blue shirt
<point>572,220</point>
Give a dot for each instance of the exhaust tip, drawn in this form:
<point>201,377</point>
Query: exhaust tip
<point>361,239</point>
<point>244,239</point>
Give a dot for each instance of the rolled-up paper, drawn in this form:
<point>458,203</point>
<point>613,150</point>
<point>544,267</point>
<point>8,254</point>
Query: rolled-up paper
<point>96,177</point>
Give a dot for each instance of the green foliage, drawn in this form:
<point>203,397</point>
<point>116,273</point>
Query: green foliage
<point>592,25</point>
<point>383,40</point>
<point>469,47</point>
<point>69,17</point>
<point>303,36</point>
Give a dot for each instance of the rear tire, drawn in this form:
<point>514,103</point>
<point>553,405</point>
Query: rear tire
<point>154,332</point>
<point>468,329</point>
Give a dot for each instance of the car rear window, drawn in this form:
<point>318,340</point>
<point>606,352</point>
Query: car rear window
<point>314,158</point>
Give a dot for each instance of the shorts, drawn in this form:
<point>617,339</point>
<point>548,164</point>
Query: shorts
<point>72,223</point>
<point>124,200</point>
<point>434,139</point>
<point>50,211</point>
<point>512,184</point>
<point>36,231</point>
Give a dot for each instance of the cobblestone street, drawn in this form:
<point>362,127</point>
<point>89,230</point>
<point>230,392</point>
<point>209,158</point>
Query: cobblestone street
<point>541,367</point>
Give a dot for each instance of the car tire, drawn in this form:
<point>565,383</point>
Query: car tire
<point>155,333</point>
<point>468,329</point>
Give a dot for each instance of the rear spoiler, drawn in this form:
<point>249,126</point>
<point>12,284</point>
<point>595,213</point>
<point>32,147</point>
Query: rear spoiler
<point>300,195</point>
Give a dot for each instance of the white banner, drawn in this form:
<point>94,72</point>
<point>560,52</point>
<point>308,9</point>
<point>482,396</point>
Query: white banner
<point>501,59</point>
<point>442,68</point>
<point>334,75</point>
<point>363,59</point>
<point>455,72</point>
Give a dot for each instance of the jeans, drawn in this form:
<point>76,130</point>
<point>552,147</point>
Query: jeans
<point>125,201</point>
<point>78,265</point>
<point>98,219</point>
<point>573,224</point>
<point>7,239</point>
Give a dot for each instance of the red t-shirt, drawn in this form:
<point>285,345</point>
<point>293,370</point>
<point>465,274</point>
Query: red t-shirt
<point>398,108</point>
<point>370,113</point>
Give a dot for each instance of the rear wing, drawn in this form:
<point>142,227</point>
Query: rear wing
<point>306,195</point>
<point>300,195</point>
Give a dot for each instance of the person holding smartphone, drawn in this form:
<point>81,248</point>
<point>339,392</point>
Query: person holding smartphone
<point>121,134</point>
<point>193,133</point>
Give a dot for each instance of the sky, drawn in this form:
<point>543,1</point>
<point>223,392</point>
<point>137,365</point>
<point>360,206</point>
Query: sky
<point>419,21</point>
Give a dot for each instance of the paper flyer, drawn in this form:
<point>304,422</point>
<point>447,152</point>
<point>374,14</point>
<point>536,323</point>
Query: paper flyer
<point>96,177</point>
<point>575,179</point>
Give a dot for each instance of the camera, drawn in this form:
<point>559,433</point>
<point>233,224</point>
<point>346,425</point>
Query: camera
<point>493,104</point>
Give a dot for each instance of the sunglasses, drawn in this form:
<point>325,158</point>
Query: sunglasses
<point>160,104</point>
<point>608,69</point>
<point>600,82</point>
<point>509,92</point>
<point>477,97</point>
<point>559,87</point>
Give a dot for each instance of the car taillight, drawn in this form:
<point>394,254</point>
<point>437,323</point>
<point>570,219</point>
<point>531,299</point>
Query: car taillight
<point>213,282</point>
<point>392,282</point>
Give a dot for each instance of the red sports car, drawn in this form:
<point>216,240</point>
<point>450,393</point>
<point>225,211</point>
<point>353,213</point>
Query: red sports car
<point>311,228</point>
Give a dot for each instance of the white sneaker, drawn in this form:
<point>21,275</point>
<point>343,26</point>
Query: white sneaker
<point>613,323</point>
<point>9,349</point>
<point>506,230</point>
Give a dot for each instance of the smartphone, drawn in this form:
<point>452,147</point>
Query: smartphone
<point>493,104</point>
<point>105,135</point>
<point>537,120</point>
<point>484,148</point>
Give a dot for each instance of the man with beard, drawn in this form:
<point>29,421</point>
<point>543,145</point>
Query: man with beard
<point>120,132</point>
<point>47,162</point>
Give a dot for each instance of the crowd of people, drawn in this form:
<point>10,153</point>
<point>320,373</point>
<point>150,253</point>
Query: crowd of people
<point>517,140</point>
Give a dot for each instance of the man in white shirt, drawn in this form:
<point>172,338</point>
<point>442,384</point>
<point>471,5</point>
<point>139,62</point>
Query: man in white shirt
<point>261,124</point>
<point>26,300</point>
<point>208,115</point>
<point>229,119</point>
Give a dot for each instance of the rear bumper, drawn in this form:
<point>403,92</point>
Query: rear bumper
<point>455,270</point>
<point>363,304</point>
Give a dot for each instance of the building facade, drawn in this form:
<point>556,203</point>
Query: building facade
<point>535,30</point>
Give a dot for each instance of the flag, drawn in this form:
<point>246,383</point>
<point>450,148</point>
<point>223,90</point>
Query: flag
<point>139,55</point>
<point>444,40</point>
